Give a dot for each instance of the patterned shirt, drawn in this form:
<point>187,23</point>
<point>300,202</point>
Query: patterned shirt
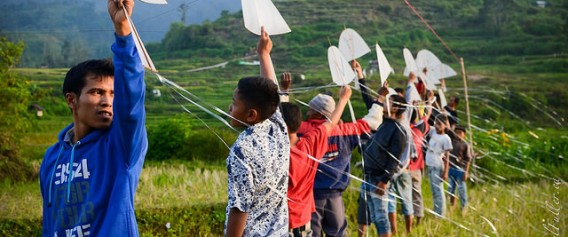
<point>257,168</point>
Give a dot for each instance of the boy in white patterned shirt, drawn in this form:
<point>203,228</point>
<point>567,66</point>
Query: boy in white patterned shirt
<point>258,161</point>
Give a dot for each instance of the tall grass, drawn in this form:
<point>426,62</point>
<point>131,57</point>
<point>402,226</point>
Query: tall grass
<point>178,185</point>
<point>193,199</point>
<point>513,209</point>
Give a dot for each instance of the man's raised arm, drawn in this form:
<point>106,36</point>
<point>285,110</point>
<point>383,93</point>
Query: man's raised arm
<point>129,88</point>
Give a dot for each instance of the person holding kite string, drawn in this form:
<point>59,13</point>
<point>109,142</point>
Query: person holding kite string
<point>88,179</point>
<point>332,178</point>
<point>460,159</point>
<point>437,162</point>
<point>381,160</point>
<point>363,214</point>
<point>258,161</point>
<point>303,164</point>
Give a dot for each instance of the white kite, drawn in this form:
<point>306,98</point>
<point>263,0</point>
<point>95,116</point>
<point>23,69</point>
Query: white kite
<point>410,62</point>
<point>384,67</point>
<point>412,66</point>
<point>258,13</point>
<point>155,1</point>
<point>352,45</point>
<point>341,72</point>
<point>443,101</point>
<point>436,70</point>
<point>442,71</point>
<point>426,59</point>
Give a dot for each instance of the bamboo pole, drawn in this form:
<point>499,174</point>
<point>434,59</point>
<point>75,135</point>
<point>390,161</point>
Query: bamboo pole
<point>467,107</point>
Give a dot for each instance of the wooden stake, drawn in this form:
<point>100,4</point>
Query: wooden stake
<point>467,108</point>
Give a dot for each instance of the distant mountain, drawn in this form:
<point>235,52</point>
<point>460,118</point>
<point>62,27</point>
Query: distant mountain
<point>61,32</point>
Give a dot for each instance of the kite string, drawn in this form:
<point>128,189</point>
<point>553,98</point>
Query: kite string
<point>320,162</point>
<point>432,30</point>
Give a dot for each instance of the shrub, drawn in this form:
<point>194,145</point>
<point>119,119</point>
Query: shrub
<point>14,117</point>
<point>168,139</point>
<point>177,138</point>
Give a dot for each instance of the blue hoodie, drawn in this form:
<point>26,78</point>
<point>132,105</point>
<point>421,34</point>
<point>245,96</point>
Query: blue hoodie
<point>106,164</point>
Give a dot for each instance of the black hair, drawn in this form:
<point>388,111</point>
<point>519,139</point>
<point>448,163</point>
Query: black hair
<point>76,76</point>
<point>399,90</point>
<point>442,118</point>
<point>456,100</point>
<point>292,116</point>
<point>460,127</point>
<point>399,102</point>
<point>259,93</point>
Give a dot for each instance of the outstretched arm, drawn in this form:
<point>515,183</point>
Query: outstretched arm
<point>344,95</point>
<point>129,115</point>
<point>263,49</point>
<point>367,98</point>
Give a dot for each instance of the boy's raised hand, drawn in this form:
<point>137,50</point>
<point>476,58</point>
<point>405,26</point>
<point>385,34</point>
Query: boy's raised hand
<point>263,49</point>
<point>118,17</point>
<point>264,43</point>
<point>285,81</point>
<point>357,68</point>
<point>345,92</point>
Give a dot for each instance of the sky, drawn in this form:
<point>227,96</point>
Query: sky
<point>153,21</point>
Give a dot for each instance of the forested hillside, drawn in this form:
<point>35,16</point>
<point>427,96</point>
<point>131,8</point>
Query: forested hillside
<point>482,31</point>
<point>58,33</point>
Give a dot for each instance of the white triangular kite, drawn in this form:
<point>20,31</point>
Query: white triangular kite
<point>341,72</point>
<point>155,1</point>
<point>258,13</point>
<point>426,80</point>
<point>442,71</point>
<point>410,63</point>
<point>352,45</point>
<point>384,67</point>
<point>426,59</point>
<point>443,101</point>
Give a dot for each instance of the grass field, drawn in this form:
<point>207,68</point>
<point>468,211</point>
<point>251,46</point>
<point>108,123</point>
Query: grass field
<point>167,189</point>
<point>514,196</point>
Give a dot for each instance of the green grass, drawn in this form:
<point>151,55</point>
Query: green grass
<point>181,194</point>
<point>191,195</point>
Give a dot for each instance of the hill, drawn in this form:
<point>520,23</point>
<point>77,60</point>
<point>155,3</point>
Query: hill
<point>59,33</point>
<point>482,31</point>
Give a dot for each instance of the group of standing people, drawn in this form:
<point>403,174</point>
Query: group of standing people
<point>286,176</point>
<point>402,150</point>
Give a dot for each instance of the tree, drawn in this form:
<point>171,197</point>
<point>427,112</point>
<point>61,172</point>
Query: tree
<point>14,118</point>
<point>498,15</point>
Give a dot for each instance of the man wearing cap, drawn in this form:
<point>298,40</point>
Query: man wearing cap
<point>332,177</point>
<point>460,158</point>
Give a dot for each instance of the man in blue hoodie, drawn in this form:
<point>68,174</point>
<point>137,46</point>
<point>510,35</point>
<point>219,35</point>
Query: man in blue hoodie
<point>88,178</point>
